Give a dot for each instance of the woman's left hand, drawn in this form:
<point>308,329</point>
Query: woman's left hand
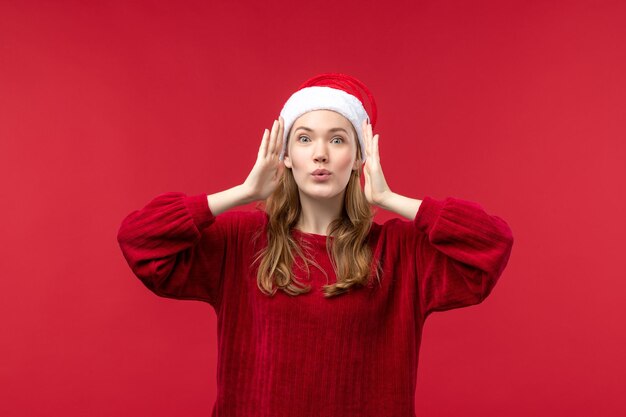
<point>376,188</point>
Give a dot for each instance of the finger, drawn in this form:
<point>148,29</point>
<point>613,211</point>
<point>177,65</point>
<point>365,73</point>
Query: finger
<point>263,147</point>
<point>272,143</point>
<point>364,139</point>
<point>375,140</point>
<point>280,139</point>
<point>281,168</point>
<point>368,147</point>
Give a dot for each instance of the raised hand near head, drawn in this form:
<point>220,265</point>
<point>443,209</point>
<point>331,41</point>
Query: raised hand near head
<point>268,169</point>
<point>375,188</point>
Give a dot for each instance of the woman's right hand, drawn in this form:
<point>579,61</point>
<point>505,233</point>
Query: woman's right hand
<point>268,169</point>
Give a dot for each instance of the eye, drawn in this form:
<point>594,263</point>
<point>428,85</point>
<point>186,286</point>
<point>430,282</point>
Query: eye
<point>336,137</point>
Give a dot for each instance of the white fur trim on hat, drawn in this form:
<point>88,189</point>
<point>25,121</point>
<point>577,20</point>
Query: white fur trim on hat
<point>323,98</point>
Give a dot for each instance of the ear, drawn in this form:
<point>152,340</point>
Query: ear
<point>287,161</point>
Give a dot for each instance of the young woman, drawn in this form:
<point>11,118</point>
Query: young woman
<point>341,338</point>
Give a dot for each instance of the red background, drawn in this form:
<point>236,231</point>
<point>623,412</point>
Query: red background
<point>519,106</point>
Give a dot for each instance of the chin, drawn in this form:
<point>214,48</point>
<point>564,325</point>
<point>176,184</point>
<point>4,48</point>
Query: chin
<point>323,195</point>
<point>320,196</point>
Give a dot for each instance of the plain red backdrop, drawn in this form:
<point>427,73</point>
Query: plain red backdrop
<point>519,106</point>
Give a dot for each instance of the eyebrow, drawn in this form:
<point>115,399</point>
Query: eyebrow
<point>334,129</point>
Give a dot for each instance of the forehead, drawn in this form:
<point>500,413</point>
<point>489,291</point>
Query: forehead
<point>323,118</point>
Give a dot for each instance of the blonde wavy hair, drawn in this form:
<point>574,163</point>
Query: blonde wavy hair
<point>350,255</point>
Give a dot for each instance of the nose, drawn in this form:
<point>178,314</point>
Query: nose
<point>320,152</point>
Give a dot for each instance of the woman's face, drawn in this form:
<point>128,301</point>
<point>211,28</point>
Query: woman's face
<point>322,139</point>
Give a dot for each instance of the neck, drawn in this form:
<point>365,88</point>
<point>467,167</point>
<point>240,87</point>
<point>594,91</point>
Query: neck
<point>317,214</point>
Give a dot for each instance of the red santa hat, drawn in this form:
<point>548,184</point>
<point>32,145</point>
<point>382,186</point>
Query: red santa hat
<point>330,91</point>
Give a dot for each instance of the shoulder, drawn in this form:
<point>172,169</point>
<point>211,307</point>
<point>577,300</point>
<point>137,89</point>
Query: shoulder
<point>235,229</point>
<point>392,227</point>
<point>427,214</point>
<point>241,221</point>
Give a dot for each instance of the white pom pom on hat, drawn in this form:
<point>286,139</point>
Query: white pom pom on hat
<point>330,91</point>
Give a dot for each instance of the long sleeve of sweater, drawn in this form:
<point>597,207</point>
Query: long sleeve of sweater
<point>308,355</point>
<point>460,255</point>
<point>162,244</point>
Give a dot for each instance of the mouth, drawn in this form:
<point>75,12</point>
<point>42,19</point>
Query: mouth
<point>320,171</point>
<point>322,176</point>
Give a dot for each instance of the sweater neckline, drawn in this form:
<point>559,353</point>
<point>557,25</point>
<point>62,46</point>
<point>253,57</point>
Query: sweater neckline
<point>312,236</point>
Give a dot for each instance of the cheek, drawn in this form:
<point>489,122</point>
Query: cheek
<point>295,158</point>
<point>345,161</point>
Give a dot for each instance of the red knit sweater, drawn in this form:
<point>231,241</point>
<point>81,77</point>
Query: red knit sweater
<point>295,356</point>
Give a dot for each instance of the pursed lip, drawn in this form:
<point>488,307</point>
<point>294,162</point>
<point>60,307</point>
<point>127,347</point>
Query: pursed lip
<point>320,172</point>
